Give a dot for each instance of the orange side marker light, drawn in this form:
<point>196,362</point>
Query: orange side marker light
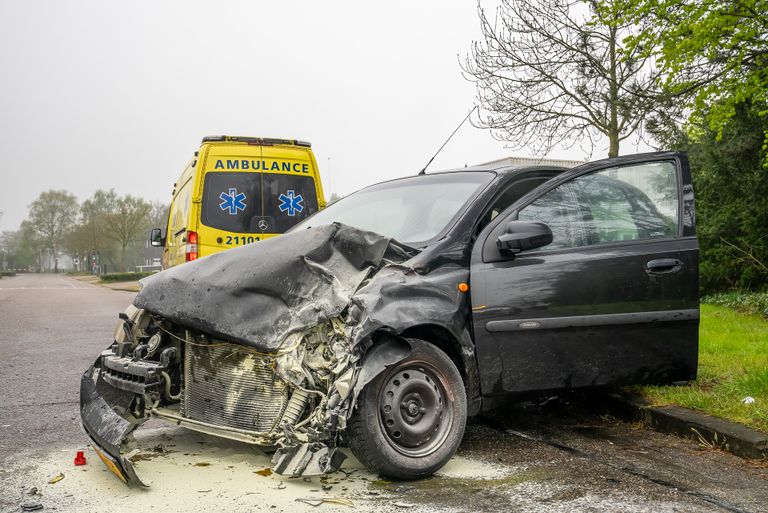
<point>463,287</point>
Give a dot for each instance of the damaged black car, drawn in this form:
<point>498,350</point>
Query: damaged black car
<point>385,320</point>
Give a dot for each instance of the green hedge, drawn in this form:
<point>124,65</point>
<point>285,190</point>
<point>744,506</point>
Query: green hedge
<point>7,273</point>
<point>755,303</point>
<point>113,277</point>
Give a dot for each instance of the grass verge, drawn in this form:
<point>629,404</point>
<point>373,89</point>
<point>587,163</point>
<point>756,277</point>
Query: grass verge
<point>733,364</point>
<point>114,277</point>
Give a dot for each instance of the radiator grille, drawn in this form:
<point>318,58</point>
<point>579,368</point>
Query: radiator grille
<point>226,385</point>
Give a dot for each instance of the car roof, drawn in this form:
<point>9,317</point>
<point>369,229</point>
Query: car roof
<point>503,169</point>
<point>500,170</point>
<point>507,170</point>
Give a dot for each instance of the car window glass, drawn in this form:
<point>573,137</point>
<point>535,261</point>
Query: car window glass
<point>240,202</point>
<point>625,203</point>
<point>513,193</point>
<point>410,210</point>
<point>288,199</point>
<point>180,210</point>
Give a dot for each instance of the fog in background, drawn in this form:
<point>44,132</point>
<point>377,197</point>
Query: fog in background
<point>118,95</point>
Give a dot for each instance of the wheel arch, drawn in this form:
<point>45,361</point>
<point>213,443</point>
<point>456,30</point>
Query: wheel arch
<point>460,349</point>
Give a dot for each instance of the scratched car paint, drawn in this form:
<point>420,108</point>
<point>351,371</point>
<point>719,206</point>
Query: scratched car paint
<point>388,318</point>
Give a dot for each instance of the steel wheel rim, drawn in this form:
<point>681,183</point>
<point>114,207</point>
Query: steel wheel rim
<point>415,413</point>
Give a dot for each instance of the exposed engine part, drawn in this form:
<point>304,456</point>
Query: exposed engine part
<point>154,343</point>
<point>169,357</point>
<point>125,373</point>
<point>230,385</point>
<point>167,391</point>
<point>295,407</point>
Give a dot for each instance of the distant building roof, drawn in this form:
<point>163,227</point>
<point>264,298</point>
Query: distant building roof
<point>533,161</point>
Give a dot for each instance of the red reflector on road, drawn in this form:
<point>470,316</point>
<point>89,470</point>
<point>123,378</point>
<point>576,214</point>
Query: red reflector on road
<point>80,458</point>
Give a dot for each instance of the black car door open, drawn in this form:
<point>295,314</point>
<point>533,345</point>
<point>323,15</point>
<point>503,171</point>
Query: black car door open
<point>613,298</point>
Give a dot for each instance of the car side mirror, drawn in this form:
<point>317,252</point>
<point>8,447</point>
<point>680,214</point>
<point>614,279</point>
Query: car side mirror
<point>522,235</point>
<point>155,237</point>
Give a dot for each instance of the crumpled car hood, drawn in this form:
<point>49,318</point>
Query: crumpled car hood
<point>260,294</point>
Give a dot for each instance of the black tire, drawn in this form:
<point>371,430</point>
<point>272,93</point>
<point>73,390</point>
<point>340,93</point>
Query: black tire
<point>417,438</point>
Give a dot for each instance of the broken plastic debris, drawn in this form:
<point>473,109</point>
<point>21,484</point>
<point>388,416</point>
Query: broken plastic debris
<point>31,506</point>
<point>403,505</point>
<point>55,479</point>
<point>316,501</point>
<point>203,464</point>
<point>748,400</point>
<point>80,458</point>
<point>266,472</point>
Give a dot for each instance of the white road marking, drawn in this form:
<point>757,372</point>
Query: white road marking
<point>67,282</point>
<point>42,288</point>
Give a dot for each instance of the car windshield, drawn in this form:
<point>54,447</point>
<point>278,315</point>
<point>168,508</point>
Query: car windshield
<point>409,210</point>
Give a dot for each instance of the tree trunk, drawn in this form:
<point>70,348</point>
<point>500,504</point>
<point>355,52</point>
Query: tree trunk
<point>122,259</point>
<point>55,259</point>
<point>613,148</point>
<point>613,122</point>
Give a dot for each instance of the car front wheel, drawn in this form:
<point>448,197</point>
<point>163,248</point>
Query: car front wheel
<point>410,419</point>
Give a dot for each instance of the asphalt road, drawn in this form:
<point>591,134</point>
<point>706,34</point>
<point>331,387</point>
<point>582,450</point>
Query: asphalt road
<point>564,455</point>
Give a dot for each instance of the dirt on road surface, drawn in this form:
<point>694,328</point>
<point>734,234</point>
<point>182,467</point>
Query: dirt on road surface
<point>564,456</point>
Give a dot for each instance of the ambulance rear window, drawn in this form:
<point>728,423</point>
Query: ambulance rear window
<point>249,202</point>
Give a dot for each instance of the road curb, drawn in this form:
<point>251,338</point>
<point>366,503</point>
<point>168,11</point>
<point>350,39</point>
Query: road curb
<point>705,429</point>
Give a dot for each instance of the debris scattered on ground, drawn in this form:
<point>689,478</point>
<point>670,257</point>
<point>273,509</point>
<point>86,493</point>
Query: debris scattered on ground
<point>326,487</point>
<point>204,491</point>
<point>748,400</point>
<point>203,464</point>
<point>33,491</point>
<point>404,505</point>
<point>281,486</point>
<point>266,472</point>
<point>55,479</point>
<point>80,458</point>
<point>31,506</point>
<point>313,501</point>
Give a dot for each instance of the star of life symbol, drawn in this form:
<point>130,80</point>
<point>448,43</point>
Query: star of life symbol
<point>232,202</point>
<point>290,202</point>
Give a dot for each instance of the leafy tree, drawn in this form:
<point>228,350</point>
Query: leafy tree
<point>731,186</point>
<point>127,222</point>
<point>557,71</point>
<point>51,216</point>
<point>15,254</point>
<point>92,233</point>
<point>716,51</point>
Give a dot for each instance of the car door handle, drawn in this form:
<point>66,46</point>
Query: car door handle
<point>663,266</point>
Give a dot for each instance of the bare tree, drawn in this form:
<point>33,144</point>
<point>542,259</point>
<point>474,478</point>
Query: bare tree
<point>126,222</point>
<point>158,215</point>
<point>51,216</point>
<point>556,71</point>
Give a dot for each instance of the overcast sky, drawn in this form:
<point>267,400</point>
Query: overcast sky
<point>118,95</point>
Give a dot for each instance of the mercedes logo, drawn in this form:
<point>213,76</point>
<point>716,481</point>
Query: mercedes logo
<point>263,225</point>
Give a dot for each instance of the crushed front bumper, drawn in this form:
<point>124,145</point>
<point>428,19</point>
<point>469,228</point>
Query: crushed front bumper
<point>110,433</point>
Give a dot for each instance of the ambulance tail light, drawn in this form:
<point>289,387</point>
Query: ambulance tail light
<point>191,253</point>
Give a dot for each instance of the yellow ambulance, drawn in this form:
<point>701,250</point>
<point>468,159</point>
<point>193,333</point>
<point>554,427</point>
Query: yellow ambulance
<point>238,190</point>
